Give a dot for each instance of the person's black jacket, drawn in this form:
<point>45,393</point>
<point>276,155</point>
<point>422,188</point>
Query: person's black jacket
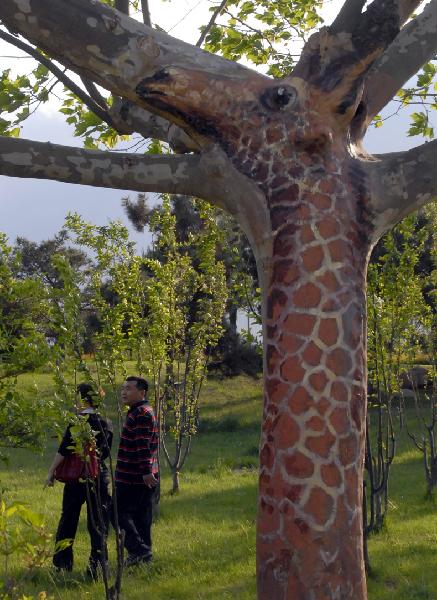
<point>104,436</point>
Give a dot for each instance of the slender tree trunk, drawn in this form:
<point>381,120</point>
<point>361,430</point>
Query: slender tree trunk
<point>233,313</point>
<point>175,480</point>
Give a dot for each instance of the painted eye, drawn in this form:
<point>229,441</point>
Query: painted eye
<point>280,98</point>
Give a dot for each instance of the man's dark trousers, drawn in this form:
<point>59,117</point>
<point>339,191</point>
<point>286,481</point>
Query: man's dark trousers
<point>135,509</point>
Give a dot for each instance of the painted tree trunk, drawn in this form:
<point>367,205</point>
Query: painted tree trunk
<point>313,435</point>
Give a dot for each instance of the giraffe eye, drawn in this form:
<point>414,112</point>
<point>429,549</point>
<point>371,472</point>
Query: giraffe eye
<point>280,97</point>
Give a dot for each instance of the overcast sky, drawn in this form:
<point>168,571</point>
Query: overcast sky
<point>36,209</point>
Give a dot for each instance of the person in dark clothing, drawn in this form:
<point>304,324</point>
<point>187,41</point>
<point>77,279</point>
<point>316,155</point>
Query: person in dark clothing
<point>136,474</point>
<point>95,493</point>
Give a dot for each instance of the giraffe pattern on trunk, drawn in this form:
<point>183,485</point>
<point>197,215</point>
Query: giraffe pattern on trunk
<point>313,431</point>
<point>313,428</point>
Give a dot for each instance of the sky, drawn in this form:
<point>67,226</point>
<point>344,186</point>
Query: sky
<point>36,209</point>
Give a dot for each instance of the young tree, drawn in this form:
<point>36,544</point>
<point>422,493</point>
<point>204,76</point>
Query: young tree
<point>285,157</point>
<point>185,298</point>
<point>23,348</point>
<point>399,322</point>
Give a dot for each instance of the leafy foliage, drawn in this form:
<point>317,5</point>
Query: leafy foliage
<point>399,323</point>
<point>23,348</point>
<point>185,296</point>
<point>22,533</point>
<point>399,318</point>
<point>425,93</point>
<point>263,32</point>
<point>20,96</point>
<point>87,125</point>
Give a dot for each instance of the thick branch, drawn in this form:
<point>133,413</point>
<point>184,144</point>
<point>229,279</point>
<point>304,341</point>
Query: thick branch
<point>139,172</point>
<point>124,56</point>
<point>415,45</point>
<point>209,175</point>
<point>406,8</point>
<point>401,9</point>
<point>337,58</point>
<point>124,117</point>
<point>400,183</point>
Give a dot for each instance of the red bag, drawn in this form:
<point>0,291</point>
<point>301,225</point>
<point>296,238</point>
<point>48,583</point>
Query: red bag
<point>75,468</point>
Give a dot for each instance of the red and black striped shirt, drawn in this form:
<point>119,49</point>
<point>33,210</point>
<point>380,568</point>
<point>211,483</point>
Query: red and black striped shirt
<point>138,450</point>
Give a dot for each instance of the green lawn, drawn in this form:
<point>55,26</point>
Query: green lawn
<point>205,536</point>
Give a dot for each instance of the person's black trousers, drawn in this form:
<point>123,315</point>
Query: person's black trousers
<point>134,510</point>
<point>97,500</point>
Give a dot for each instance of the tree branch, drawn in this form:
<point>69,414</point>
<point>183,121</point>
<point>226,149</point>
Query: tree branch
<point>124,117</point>
<point>400,9</point>
<point>146,66</point>
<point>122,6</point>
<point>139,172</point>
<point>209,175</point>
<point>146,13</point>
<point>337,58</point>
<point>94,93</point>
<point>57,72</point>
<point>415,45</point>
<point>400,183</point>
<point>348,16</point>
<point>129,118</point>
<point>211,23</point>
<point>406,8</point>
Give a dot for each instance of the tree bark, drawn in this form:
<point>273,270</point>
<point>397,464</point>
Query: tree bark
<point>166,174</point>
<point>401,182</point>
<point>414,46</point>
<point>175,482</point>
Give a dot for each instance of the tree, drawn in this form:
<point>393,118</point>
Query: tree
<point>185,298</point>
<point>23,348</point>
<point>36,259</point>
<point>285,157</point>
<point>399,321</point>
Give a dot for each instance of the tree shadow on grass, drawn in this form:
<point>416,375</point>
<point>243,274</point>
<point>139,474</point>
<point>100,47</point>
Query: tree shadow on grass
<point>404,572</point>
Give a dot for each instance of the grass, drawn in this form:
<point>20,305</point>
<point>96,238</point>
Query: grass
<point>204,539</point>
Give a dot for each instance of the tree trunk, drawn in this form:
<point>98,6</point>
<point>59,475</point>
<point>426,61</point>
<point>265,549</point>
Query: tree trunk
<point>175,480</point>
<point>313,437</point>
<point>233,314</point>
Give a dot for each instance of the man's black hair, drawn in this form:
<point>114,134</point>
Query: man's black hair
<point>140,382</point>
<point>87,392</point>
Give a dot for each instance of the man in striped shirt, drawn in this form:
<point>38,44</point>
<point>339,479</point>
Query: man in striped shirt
<point>136,473</point>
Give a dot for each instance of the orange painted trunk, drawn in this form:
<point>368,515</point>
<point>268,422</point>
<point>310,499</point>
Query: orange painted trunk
<point>313,435</point>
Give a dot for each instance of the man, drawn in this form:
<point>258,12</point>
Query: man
<point>136,473</point>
